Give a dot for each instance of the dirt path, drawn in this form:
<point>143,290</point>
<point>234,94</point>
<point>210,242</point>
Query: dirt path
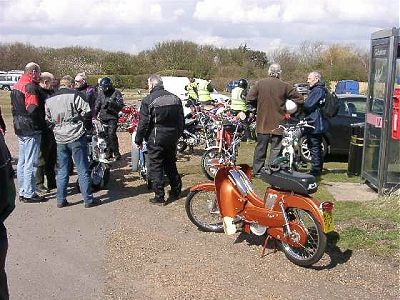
<point>129,249</point>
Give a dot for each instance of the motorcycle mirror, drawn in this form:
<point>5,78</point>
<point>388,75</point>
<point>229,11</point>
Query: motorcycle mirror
<point>241,116</point>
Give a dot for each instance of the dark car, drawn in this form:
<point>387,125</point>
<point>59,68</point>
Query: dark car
<point>337,140</point>
<point>231,85</point>
<point>302,88</point>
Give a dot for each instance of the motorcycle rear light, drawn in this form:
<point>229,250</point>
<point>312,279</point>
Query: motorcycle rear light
<point>327,206</point>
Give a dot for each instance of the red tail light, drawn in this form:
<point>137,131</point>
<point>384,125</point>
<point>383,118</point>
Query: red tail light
<point>327,206</point>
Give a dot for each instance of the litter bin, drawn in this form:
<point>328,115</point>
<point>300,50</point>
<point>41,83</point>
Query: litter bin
<point>356,149</point>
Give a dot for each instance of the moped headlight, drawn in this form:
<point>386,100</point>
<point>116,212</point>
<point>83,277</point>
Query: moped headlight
<point>102,145</point>
<point>285,142</point>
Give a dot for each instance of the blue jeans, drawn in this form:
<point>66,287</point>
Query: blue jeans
<point>27,164</point>
<point>78,151</point>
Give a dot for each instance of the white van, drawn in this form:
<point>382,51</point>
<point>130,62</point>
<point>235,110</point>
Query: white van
<point>176,85</point>
<point>7,80</point>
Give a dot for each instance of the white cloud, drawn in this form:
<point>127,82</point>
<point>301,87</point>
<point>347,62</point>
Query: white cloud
<point>236,11</point>
<point>135,25</point>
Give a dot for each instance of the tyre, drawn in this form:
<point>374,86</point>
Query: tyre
<point>305,152</point>
<point>315,243</point>
<point>181,146</point>
<point>100,175</point>
<point>209,162</point>
<point>6,88</point>
<point>203,211</point>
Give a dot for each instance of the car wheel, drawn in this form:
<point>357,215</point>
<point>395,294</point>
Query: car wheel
<point>305,152</point>
<point>6,88</point>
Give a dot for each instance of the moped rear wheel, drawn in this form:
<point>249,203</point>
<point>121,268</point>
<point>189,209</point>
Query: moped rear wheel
<point>203,211</point>
<point>314,248</point>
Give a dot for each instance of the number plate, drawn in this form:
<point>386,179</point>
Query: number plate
<point>328,222</point>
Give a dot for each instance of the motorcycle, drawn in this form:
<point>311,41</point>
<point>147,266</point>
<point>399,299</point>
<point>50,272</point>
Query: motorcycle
<point>228,137</point>
<point>290,155</point>
<point>99,166</point>
<point>287,214</point>
<point>125,117</point>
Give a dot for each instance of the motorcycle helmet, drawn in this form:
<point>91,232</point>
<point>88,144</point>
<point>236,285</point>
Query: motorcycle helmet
<point>290,106</point>
<point>242,83</point>
<point>106,84</point>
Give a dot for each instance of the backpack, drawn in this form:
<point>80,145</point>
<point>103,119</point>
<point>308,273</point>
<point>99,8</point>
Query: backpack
<point>331,106</point>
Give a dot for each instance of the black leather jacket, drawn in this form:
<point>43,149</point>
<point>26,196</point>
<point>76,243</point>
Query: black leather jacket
<point>161,118</point>
<point>109,104</point>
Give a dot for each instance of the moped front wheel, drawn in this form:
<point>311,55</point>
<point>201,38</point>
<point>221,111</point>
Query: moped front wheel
<point>315,245</point>
<point>209,162</point>
<point>203,211</point>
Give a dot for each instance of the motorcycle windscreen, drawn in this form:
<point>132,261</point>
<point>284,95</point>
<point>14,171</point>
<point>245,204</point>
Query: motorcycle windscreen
<point>134,154</point>
<point>230,201</point>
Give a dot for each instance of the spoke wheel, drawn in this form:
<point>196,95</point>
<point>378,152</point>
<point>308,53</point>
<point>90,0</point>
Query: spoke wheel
<point>203,211</point>
<point>315,240</point>
<point>209,163</point>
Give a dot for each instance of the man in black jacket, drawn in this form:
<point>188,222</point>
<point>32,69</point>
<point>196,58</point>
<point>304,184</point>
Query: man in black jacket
<point>7,205</point>
<point>161,124</point>
<point>108,104</point>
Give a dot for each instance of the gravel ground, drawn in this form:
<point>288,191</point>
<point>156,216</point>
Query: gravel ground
<point>130,249</point>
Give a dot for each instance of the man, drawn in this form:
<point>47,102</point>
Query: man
<point>204,88</point>
<point>269,96</point>
<point>109,103</point>
<point>315,100</point>
<point>2,123</point>
<point>192,90</point>
<point>89,92</point>
<point>7,205</point>
<point>238,97</point>
<point>161,124</point>
<point>70,115</point>
<point>28,115</point>
<point>48,147</point>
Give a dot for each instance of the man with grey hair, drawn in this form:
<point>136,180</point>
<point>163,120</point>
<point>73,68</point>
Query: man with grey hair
<point>48,148</point>
<point>312,110</point>
<point>70,116</point>
<point>269,96</point>
<point>28,115</point>
<point>161,124</point>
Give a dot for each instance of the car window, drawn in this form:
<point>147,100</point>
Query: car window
<point>355,107</point>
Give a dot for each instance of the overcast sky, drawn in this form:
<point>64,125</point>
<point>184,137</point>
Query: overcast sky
<point>135,25</point>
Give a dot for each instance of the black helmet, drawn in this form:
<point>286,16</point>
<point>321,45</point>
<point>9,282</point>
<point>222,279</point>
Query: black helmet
<point>106,84</point>
<point>242,83</point>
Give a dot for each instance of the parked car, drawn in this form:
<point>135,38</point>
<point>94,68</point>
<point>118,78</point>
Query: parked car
<point>347,87</point>
<point>302,88</point>
<point>231,85</point>
<point>337,140</point>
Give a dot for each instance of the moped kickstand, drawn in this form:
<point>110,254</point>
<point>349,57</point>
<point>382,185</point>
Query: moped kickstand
<point>265,246</point>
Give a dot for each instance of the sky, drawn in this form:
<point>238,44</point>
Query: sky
<point>135,25</point>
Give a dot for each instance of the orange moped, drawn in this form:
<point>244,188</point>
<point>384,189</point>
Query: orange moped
<point>287,214</point>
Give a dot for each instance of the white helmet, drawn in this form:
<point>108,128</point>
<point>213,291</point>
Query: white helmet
<point>290,106</point>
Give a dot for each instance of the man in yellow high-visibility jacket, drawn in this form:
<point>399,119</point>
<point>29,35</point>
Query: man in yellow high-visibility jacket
<point>238,97</point>
<point>192,89</point>
<point>204,88</point>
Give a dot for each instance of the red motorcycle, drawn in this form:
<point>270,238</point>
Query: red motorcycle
<point>126,116</point>
<point>287,214</point>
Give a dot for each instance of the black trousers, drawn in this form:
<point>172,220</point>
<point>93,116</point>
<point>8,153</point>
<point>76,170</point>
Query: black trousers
<point>3,253</point>
<point>260,152</point>
<point>162,160</point>
<point>314,144</point>
<point>47,160</point>
<point>112,139</point>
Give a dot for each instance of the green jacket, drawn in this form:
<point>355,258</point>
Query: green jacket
<point>192,90</point>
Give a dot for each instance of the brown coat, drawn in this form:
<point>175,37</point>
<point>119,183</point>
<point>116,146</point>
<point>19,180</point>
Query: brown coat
<point>270,95</point>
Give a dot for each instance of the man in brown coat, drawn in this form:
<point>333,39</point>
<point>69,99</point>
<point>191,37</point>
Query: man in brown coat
<point>269,96</point>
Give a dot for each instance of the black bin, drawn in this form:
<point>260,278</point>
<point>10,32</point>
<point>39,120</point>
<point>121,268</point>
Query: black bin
<point>356,149</point>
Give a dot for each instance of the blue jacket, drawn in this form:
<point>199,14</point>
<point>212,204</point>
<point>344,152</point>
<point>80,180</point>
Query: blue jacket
<point>312,105</point>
